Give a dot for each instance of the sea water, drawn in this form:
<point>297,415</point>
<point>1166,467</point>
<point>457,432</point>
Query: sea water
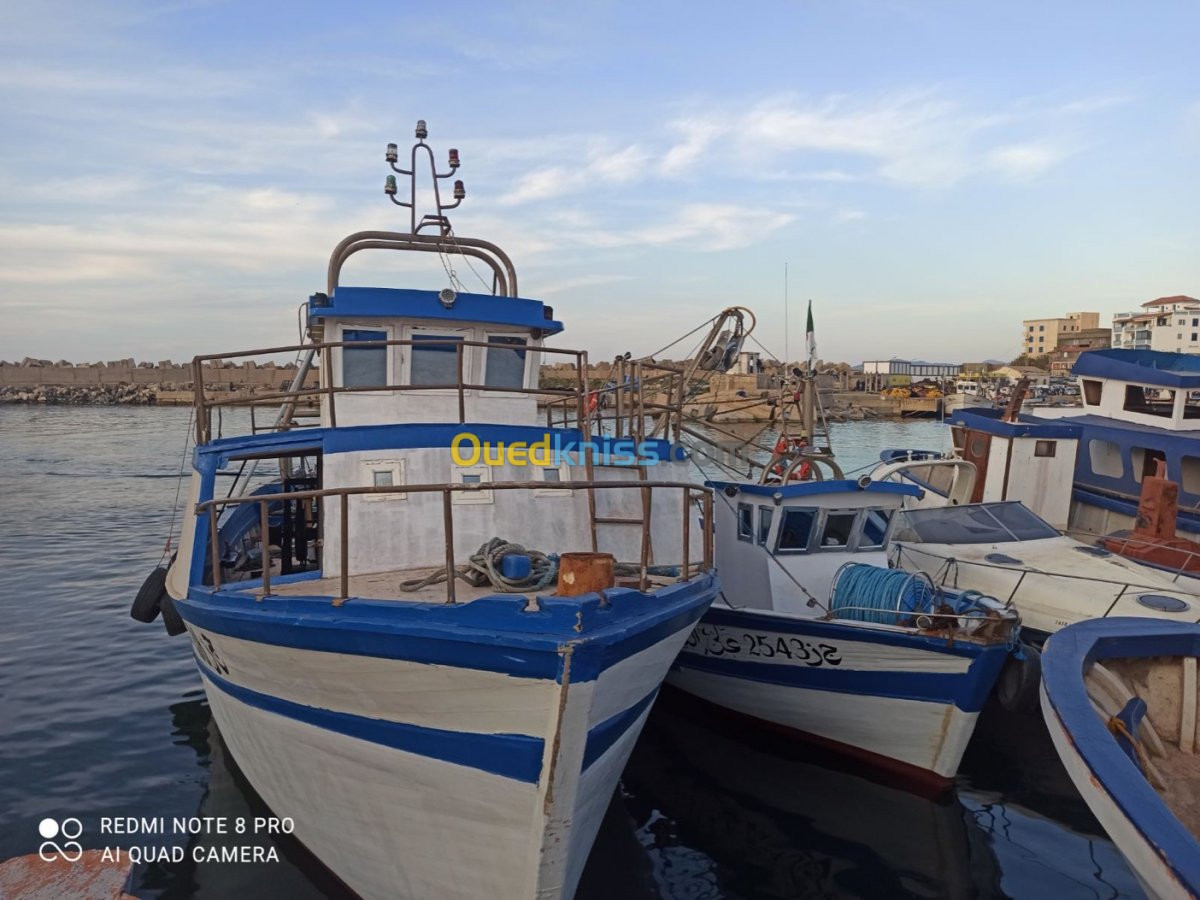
<point>103,718</point>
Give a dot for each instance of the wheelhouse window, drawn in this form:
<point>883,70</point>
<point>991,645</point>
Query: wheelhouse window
<point>1044,448</point>
<point>838,530</point>
<point>364,366</point>
<point>1149,401</point>
<point>434,358</point>
<point>795,530</point>
<point>874,528</point>
<point>383,473</point>
<point>1145,461</point>
<point>474,476</point>
<point>1189,471</point>
<point>766,515</point>
<point>745,513</point>
<point>1091,391</point>
<point>504,363</point>
<point>1105,457</point>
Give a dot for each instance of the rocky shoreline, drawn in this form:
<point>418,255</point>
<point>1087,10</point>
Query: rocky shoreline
<point>98,395</point>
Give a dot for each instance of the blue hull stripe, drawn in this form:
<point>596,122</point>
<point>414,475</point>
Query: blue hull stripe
<point>967,690</point>
<point>515,756</point>
<point>607,732</point>
<point>485,634</point>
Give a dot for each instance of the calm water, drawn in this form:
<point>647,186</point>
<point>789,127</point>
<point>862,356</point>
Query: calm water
<point>103,716</point>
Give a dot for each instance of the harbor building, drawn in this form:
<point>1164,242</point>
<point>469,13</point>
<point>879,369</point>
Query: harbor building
<point>1171,324</point>
<point>1042,336</point>
<point>885,373</point>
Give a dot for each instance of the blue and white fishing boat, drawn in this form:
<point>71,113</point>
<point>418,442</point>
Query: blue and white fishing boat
<point>440,711</point>
<point>812,633</point>
<point>1120,700</point>
<point>1085,470</point>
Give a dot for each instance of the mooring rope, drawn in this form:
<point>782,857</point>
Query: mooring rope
<point>484,568</point>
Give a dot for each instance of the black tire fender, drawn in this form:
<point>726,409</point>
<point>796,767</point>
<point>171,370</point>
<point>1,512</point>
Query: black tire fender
<point>1017,687</point>
<point>172,621</point>
<point>148,602</point>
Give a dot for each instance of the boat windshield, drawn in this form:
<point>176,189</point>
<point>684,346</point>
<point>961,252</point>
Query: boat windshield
<point>979,523</point>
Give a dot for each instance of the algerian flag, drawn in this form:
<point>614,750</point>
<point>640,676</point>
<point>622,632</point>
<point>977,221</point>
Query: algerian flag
<point>810,340</point>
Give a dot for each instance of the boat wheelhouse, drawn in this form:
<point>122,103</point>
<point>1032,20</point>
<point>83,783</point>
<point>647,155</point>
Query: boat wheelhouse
<point>430,626</point>
<point>1084,472</point>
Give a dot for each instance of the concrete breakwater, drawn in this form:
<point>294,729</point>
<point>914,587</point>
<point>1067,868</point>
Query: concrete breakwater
<point>122,394</point>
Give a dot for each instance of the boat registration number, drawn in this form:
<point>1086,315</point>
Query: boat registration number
<point>714,640</point>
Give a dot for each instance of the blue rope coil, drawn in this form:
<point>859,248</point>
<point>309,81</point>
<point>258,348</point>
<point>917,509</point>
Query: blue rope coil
<point>866,593</point>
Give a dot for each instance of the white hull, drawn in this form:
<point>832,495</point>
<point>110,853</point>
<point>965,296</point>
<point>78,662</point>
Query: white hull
<point>925,735</point>
<point>1152,873</point>
<point>391,822</point>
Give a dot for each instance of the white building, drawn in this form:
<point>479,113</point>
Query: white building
<point>1168,323</point>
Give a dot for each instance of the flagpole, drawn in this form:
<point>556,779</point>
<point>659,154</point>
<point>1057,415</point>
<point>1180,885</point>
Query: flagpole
<point>785,321</point>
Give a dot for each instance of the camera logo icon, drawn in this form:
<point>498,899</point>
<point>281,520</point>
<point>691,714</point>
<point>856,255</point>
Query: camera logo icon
<point>68,832</point>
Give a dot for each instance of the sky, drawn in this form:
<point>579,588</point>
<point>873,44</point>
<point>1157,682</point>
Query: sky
<point>173,176</point>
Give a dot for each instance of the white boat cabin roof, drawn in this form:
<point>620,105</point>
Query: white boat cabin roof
<point>1142,387</point>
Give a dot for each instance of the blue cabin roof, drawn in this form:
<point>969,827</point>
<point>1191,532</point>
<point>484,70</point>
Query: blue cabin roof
<point>376,303</point>
<point>815,488</point>
<point>1153,367</point>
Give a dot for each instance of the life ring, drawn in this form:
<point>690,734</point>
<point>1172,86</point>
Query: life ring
<point>593,401</point>
<point>148,602</point>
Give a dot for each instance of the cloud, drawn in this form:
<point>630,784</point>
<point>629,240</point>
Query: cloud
<point>1025,161</point>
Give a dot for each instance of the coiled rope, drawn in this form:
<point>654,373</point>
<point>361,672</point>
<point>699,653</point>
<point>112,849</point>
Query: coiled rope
<point>866,593</point>
<point>484,568</point>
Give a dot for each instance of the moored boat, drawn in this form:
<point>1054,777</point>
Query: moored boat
<point>812,634</point>
<point>441,712</point>
<point>1120,700</point>
<point>1003,549</point>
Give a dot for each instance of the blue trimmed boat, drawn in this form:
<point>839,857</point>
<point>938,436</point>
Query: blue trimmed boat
<point>1120,700</point>
<point>441,712</point>
<point>1085,470</point>
<point>814,636</point>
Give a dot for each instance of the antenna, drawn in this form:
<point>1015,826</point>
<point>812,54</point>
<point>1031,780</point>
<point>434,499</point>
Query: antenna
<point>390,187</point>
<point>786,357</point>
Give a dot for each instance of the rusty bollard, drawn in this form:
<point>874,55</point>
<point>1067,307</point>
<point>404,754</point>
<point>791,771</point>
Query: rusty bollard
<point>584,573</point>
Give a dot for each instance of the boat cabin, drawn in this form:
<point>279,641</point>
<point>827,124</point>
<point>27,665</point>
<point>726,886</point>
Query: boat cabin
<point>1140,407</point>
<point>779,547</point>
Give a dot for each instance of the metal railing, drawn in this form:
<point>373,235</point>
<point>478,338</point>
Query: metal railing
<point>205,406</point>
<point>575,406</point>
<point>1190,567</point>
<point>211,510</point>
<point>951,564</point>
<point>621,408</point>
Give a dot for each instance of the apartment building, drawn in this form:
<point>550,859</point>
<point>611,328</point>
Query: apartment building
<point>1041,336</point>
<point>1168,323</point>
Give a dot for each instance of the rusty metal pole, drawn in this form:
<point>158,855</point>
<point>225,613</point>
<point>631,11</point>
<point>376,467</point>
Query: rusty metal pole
<point>264,525</point>
<point>198,399</point>
<point>448,526</point>
<point>344,585</point>
<point>647,503</point>
<point>462,403</point>
<point>708,530</point>
<point>214,550</point>
<point>687,534</point>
